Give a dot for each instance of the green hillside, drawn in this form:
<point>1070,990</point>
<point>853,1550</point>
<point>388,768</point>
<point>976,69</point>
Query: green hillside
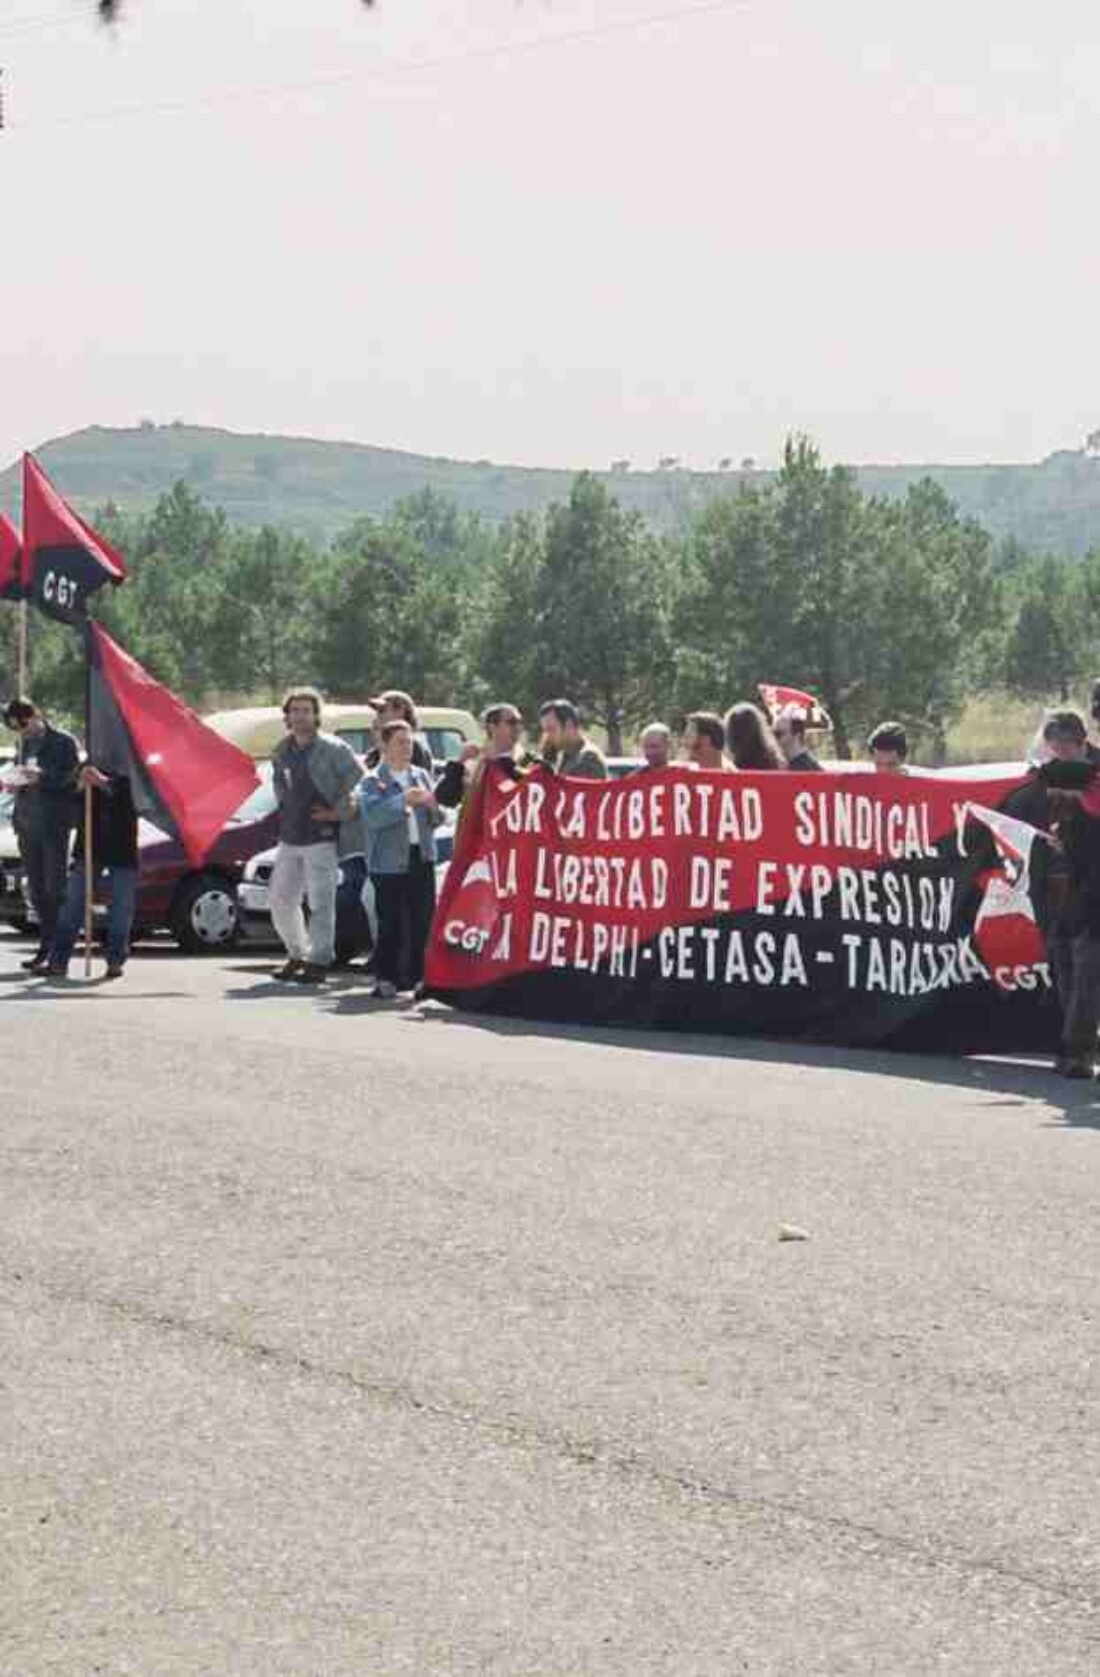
<point>317,488</point>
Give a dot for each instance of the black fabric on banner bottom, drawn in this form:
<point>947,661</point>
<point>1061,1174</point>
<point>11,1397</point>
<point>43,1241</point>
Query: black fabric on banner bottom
<point>975,1018</point>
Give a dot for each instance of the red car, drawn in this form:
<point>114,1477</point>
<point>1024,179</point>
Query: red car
<point>197,905</point>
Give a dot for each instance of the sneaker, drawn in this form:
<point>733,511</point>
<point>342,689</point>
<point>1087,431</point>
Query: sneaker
<point>114,970</point>
<point>288,972</point>
<point>311,973</point>
<point>383,991</point>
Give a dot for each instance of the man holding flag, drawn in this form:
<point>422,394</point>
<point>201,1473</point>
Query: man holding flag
<point>176,771</point>
<point>114,853</point>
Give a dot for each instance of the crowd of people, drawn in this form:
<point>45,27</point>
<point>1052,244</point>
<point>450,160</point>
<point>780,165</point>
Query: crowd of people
<point>346,821</point>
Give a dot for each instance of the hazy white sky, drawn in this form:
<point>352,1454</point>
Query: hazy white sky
<point>556,231</point>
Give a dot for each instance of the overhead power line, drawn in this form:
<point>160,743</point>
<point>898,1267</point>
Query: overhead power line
<point>399,67</point>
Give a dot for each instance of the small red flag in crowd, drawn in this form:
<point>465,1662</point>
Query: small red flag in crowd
<point>791,699</point>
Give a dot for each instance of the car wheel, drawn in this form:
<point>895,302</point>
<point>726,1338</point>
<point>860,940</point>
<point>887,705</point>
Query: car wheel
<point>205,915</point>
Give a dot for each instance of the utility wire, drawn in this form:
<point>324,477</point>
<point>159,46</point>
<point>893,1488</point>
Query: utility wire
<point>396,67</point>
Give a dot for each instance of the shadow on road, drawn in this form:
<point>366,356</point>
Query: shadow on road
<point>1020,1081</point>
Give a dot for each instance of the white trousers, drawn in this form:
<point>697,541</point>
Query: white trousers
<point>306,873</point>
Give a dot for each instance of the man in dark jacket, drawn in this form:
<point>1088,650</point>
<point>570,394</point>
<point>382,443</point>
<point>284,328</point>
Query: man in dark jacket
<point>1073,936</point>
<point>44,813</point>
<point>114,853</point>
<point>790,736</point>
<point>503,727</point>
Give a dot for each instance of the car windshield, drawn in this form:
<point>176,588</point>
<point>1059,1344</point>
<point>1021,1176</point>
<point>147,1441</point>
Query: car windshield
<point>261,802</point>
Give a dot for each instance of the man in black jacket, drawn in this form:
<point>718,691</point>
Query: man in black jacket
<point>114,853</point>
<point>503,726</point>
<point>44,812</point>
<point>1073,936</point>
<point>790,736</point>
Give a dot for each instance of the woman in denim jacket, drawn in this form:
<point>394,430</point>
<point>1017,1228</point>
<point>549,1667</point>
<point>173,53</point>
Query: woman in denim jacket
<point>400,814</point>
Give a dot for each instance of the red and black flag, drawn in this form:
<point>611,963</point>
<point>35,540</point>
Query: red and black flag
<point>792,701</point>
<point>184,778</point>
<point>12,586</point>
<point>64,560</point>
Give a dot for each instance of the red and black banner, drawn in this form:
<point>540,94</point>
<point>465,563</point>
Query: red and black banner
<point>12,585</point>
<point>184,778</point>
<point>64,560</point>
<point>847,907</point>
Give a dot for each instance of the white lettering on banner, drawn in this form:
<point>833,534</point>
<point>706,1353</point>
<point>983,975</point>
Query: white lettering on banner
<point>729,814</point>
<point>62,590</point>
<point>639,882</point>
<point>523,811</point>
<point>470,939</point>
<point>845,820</point>
<point>505,880</point>
<point>710,883</point>
<point>559,940</point>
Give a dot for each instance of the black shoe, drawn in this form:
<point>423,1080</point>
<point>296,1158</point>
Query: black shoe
<point>1079,1069</point>
<point>114,970</point>
<point>56,969</point>
<point>287,973</point>
<point>311,973</point>
<point>37,963</point>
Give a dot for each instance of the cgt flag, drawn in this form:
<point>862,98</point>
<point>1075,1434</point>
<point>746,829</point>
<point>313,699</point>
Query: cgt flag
<point>185,778</point>
<point>12,586</point>
<point>64,560</point>
<point>792,699</point>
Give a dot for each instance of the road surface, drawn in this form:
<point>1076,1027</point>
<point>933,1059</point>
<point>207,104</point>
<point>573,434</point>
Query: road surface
<point>341,1339</point>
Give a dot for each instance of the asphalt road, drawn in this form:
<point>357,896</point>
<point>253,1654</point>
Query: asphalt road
<point>338,1339</point>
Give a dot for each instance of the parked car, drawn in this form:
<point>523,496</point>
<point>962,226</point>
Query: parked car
<point>355,930</point>
<point>13,907</point>
<point>198,906</point>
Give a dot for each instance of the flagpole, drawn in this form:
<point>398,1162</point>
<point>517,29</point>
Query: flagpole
<point>89,879</point>
<point>21,685</point>
<point>89,868</point>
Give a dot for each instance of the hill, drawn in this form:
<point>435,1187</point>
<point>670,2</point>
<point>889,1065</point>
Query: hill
<point>319,487</point>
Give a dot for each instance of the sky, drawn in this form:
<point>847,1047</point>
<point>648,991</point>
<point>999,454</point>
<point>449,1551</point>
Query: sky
<point>556,232</point>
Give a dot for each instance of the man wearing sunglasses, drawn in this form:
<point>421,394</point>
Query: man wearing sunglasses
<point>503,731</point>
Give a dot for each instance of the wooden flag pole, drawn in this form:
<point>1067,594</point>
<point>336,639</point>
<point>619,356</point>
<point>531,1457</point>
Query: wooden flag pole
<point>89,878</point>
<point>22,644</point>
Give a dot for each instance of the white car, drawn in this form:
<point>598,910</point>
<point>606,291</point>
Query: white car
<point>356,920</point>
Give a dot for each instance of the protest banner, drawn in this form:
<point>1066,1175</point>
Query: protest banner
<point>845,907</point>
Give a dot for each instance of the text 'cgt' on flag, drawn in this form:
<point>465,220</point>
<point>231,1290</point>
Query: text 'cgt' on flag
<point>64,560</point>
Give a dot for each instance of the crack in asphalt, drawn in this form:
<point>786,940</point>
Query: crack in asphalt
<point>525,1432</point>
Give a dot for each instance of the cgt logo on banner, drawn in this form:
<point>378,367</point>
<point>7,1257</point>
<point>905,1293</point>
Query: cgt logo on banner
<point>840,907</point>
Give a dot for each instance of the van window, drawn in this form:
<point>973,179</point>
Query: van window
<point>445,743</point>
<point>360,739</point>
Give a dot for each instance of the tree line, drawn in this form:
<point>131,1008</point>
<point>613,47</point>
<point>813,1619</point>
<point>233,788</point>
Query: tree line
<point>899,608</point>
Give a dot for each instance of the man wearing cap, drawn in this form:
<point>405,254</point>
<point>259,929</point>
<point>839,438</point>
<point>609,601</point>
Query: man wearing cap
<point>503,726</point>
<point>1073,938</point>
<point>395,706</point>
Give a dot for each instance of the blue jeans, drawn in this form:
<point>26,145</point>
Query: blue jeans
<point>120,915</point>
